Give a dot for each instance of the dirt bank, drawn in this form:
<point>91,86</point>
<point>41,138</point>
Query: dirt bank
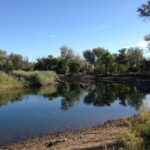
<point>84,139</point>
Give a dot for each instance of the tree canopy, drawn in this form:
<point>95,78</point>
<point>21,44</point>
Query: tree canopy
<point>96,61</point>
<point>144,10</point>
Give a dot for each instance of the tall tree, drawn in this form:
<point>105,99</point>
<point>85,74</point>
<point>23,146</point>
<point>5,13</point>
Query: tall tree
<point>144,11</point>
<point>147,39</point>
<point>18,62</point>
<point>89,56</point>
<point>104,60</point>
<point>135,58</point>
<point>66,56</point>
<point>122,60</point>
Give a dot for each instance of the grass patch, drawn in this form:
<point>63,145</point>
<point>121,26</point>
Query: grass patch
<point>36,77</point>
<point>26,79</point>
<point>8,81</point>
<point>137,137</point>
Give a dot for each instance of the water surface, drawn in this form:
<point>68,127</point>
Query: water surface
<point>28,113</point>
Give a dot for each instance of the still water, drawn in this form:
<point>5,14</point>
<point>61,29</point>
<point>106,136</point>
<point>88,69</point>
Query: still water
<point>28,113</point>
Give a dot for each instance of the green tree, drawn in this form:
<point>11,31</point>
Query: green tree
<point>99,64</point>
<point>5,63</point>
<point>105,61</point>
<point>147,39</point>
<point>3,59</point>
<point>18,62</point>
<point>122,61</point>
<point>89,56</point>
<point>75,65</point>
<point>66,55</point>
<point>144,11</point>
<point>135,58</point>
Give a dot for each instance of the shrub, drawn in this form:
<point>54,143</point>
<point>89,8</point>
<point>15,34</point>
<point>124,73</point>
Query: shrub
<point>138,135</point>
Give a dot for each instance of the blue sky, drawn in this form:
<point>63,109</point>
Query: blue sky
<point>37,28</point>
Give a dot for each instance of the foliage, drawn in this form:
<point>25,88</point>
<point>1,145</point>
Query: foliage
<point>36,77</point>
<point>135,58</point>
<point>138,135</point>
<point>105,94</point>
<point>11,96</point>
<point>7,80</point>
<point>96,61</point>
<point>13,62</point>
<point>147,39</point>
<point>144,10</point>
<point>89,56</point>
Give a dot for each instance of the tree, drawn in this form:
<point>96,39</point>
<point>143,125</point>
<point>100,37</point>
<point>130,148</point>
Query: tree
<point>75,65</point>
<point>135,58</point>
<point>66,52</point>
<point>62,68</point>
<point>122,60</point>
<point>104,60</point>
<point>48,63</point>
<point>5,63</point>
<point>144,10</point>
<point>3,59</point>
<point>147,39</point>
<point>66,56</point>
<point>99,64</point>
<point>19,62</point>
<point>147,64</point>
<point>89,56</point>
<point>3,53</point>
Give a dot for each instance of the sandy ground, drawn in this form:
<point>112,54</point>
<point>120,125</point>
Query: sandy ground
<point>95,138</point>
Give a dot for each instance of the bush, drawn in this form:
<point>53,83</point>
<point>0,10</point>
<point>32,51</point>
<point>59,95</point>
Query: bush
<point>138,135</point>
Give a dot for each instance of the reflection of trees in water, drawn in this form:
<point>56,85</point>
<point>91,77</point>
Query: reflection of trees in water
<point>105,94</point>
<point>101,94</point>
<point>11,96</point>
<point>135,98</point>
<point>71,93</point>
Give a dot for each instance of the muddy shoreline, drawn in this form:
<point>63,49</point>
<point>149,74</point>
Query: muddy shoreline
<point>97,137</point>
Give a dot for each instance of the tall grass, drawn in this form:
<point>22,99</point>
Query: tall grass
<point>26,79</point>
<point>138,135</point>
<point>37,77</point>
<point>7,80</point>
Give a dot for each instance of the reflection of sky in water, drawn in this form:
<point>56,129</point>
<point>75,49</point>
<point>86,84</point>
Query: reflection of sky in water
<point>146,102</point>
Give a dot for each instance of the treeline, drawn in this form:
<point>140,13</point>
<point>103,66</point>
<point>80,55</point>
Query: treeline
<point>95,61</point>
<point>13,62</point>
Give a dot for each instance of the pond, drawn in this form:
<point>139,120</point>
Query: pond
<point>34,112</point>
